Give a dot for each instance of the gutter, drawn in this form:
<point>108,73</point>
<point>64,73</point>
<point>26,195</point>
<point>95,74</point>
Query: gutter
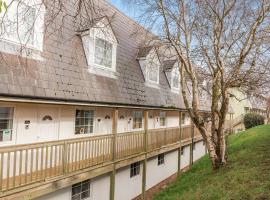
<point>62,101</point>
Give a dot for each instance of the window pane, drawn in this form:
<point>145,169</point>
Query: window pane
<point>103,52</point>
<point>84,121</point>
<point>18,23</point>
<point>6,123</point>
<point>85,194</point>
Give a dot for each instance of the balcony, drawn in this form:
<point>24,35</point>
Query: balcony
<point>23,165</point>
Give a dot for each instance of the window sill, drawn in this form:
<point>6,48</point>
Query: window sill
<point>102,71</point>
<point>175,90</point>
<point>26,51</point>
<point>152,84</point>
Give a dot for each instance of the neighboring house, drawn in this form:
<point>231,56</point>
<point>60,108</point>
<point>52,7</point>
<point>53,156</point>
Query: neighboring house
<point>88,114</point>
<point>241,104</point>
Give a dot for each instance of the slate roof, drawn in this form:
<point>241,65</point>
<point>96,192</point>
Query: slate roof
<point>144,51</point>
<point>63,73</point>
<point>168,64</point>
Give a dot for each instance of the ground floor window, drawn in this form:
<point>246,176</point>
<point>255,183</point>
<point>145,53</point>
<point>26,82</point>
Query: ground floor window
<point>81,190</point>
<point>6,123</point>
<point>161,159</point>
<point>84,122</point>
<point>135,169</point>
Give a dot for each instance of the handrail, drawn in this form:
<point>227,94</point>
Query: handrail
<point>26,164</point>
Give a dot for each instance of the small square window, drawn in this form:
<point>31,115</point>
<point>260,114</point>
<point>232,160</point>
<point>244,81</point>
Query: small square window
<point>182,150</point>
<point>161,159</point>
<point>135,169</point>
<point>137,119</point>
<point>81,190</point>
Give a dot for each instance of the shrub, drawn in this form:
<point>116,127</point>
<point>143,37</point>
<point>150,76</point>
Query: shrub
<point>251,120</point>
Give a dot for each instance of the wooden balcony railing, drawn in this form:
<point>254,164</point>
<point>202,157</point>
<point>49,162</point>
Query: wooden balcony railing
<point>21,165</point>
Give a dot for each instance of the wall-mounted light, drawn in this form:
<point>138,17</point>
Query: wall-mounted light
<point>107,117</point>
<point>99,120</point>
<point>150,116</point>
<point>122,117</point>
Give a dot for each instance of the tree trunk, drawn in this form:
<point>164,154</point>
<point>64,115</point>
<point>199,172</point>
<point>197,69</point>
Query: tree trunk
<point>212,153</point>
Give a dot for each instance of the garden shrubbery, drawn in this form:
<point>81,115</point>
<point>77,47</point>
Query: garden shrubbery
<point>251,120</point>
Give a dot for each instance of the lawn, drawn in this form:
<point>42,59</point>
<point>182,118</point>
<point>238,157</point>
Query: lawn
<point>246,176</point>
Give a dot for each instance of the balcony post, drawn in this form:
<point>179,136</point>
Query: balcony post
<point>180,144</point>
<point>192,143</point>
<point>146,149</point>
<point>114,133</point>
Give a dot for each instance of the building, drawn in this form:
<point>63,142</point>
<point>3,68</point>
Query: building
<point>241,104</point>
<point>87,113</point>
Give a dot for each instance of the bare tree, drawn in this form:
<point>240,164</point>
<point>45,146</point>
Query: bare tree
<point>268,110</point>
<point>223,42</point>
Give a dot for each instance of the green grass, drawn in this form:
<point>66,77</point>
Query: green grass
<point>246,176</point>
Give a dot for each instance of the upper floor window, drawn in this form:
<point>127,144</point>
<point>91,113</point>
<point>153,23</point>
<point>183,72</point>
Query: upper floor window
<point>103,52</point>
<point>152,72</point>
<point>162,118</point>
<point>100,45</point>
<point>175,78</point>
<point>137,119</point>
<point>150,65</point>
<point>84,122</point>
<point>6,123</point>
<point>22,23</point>
<point>81,190</point>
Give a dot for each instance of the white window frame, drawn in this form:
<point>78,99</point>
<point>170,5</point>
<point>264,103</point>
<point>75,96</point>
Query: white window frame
<point>83,134</point>
<point>147,73</point>
<point>173,74</point>
<point>88,181</point>
<point>103,31</point>
<point>133,121</point>
<point>13,134</point>
<point>161,159</point>
<point>38,28</point>
<point>165,116</point>
<point>135,169</point>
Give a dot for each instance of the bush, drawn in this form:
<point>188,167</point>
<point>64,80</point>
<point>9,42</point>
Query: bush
<point>251,120</point>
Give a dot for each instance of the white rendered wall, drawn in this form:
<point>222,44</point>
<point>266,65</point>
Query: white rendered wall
<point>185,158</point>
<point>199,150</point>
<point>126,187</point>
<point>156,173</point>
<point>99,190</point>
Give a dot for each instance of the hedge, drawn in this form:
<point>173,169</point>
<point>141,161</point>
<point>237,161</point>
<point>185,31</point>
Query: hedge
<point>252,119</point>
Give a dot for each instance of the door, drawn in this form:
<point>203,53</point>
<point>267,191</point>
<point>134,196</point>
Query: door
<point>47,124</point>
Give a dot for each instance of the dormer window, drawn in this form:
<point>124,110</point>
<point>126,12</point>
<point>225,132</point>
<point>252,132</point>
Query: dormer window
<point>175,78</point>
<point>171,69</point>
<point>100,46</point>
<point>150,65</point>
<point>152,69</point>
<point>103,52</point>
<point>22,24</point>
